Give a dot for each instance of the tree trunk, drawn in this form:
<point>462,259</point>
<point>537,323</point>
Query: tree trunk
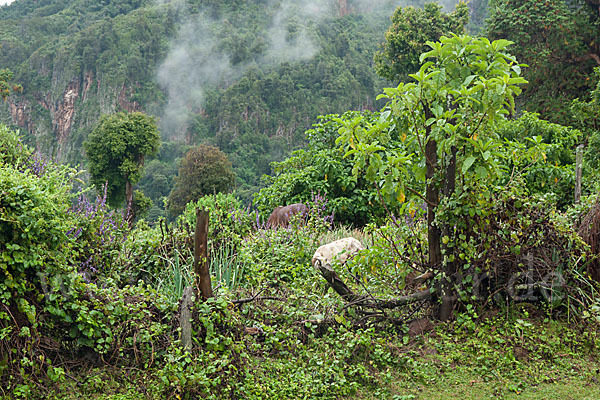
<point>432,196</point>
<point>342,7</point>
<point>201,254</point>
<point>449,267</point>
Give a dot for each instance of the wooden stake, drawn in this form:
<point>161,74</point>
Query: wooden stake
<point>201,254</point>
<point>578,170</point>
<point>185,318</point>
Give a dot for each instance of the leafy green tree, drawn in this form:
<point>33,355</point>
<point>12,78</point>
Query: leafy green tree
<point>116,149</point>
<point>558,42</point>
<point>586,117</point>
<point>6,84</point>
<point>204,170</point>
<point>447,119</point>
<point>406,38</point>
<point>554,174</point>
<point>157,181</point>
<point>321,169</point>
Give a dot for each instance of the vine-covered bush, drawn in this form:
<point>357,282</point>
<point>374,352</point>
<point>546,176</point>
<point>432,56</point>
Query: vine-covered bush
<point>514,246</point>
<point>53,248</point>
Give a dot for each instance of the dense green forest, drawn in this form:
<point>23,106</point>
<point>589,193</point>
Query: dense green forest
<point>239,75</point>
<point>441,164</point>
<point>211,70</point>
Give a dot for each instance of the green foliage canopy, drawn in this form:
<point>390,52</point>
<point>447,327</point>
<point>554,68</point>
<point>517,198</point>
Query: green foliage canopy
<point>204,170</point>
<point>554,173</point>
<point>586,117</point>
<point>321,169</point>
<point>456,100</point>
<point>406,38</point>
<point>559,42</point>
<point>116,149</point>
<point>6,85</point>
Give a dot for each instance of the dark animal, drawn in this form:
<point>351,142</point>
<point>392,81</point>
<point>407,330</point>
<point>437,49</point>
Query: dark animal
<point>280,217</point>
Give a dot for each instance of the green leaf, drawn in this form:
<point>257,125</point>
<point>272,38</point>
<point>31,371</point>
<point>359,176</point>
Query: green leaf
<point>469,79</point>
<point>467,163</point>
<point>481,172</point>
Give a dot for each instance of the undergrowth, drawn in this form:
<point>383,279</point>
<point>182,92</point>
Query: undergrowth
<point>510,352</point>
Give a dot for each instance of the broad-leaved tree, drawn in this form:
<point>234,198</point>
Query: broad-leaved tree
<point>116,149</point>
<point>446,118</point>
<point>406,38</point>
<point>204,170</point>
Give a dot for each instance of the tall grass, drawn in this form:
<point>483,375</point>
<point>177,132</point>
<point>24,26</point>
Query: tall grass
<point>340,232</point>
<point>226,267</point>
<point>177,274</point>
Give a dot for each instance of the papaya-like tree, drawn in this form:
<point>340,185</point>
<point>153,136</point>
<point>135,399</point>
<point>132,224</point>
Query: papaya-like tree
<point>116,149</point>
<point>446,118</point>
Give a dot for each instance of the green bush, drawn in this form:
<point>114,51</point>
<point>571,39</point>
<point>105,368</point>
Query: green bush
<point>276,256</point>
<point>322,170</point>
<point>52,250</point>
<point>555,173</point>
<point>229,221</point>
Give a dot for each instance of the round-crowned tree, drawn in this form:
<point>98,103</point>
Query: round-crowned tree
<point>204,170</point>
<point>116,149</point>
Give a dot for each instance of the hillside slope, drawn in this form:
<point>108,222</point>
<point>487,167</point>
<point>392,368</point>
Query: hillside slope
<point>246,76</point>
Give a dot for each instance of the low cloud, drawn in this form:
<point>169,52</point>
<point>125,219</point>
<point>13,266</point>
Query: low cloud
<point>197,61</point>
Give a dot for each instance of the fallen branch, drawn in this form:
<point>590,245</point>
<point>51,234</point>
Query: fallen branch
<point>363,301</point>
<point>335,282</point>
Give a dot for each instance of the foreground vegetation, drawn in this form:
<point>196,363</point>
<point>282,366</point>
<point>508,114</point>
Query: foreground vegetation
<point>508,355</point>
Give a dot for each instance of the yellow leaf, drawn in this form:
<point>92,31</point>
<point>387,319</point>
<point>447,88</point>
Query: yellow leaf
<point>474,137</point>
<point>401,197</point>
<point>325,176</point>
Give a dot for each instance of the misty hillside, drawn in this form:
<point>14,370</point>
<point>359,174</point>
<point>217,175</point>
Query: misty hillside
<point>246,76</point>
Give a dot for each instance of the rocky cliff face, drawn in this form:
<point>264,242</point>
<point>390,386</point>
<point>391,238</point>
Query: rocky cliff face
<point>49,119</point>
<point>20,113</point>
<point>62,113</point>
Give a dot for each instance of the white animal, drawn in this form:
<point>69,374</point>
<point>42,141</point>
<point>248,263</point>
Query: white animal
<point>340,250</point>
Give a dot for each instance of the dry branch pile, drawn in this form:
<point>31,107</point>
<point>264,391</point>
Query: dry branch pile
<point>589,230</point>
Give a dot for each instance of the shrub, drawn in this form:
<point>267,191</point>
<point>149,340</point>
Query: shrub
<point>204,170</point>
<point>49,248</point>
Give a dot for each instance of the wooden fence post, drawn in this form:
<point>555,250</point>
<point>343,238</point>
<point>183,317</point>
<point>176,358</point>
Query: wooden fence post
<point>185,318</point>
<point>201,254</point>
<point>578,168</point>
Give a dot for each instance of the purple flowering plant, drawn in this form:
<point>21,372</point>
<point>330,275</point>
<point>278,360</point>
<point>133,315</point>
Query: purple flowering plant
<point>99,233</point>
